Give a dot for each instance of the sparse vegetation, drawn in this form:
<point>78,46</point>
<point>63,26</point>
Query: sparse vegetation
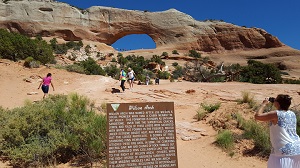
<point>201,114</point>
<point>210,107</point>
<point>195,54</point>
<point>164,54</point>
<point>259,133</point>
<point>225,140</point>
<point>175,52</point>
<point>248,98</point>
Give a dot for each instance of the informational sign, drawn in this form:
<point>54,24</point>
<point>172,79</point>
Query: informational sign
<point>141,135</point>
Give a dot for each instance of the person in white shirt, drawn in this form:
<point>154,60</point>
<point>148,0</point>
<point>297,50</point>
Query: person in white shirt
<point>131,76</point>
<point>284,139</point>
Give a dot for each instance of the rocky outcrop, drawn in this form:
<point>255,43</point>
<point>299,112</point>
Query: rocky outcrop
<point>168,29</point>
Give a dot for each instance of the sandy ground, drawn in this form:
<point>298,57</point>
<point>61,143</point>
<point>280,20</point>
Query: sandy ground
<point>201,152</point>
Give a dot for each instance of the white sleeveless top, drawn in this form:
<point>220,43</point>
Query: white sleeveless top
<point>284,139</point>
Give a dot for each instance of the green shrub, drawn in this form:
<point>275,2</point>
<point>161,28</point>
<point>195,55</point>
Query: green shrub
<point>291,81</point>
<point>225,140</point>
<point>157,59</point>
<point>175,52</point>
<point>75,68</point>
<point>16,47</point>
<point>87,49</point>
<point>91,67</point>
<point>52,131</point>
<point>200,114</point>
<point>247,98</point>
<point>260,134</point>
<point>112,71</point>
<point>174,64</point>
<point>113,60</point>
<point>195,54</point>
<point>27,62</point>
<point>210,107</point>
<point>260,73</point>
<point>164,54</point>
<point>178,72</point>
<point>163,75</point>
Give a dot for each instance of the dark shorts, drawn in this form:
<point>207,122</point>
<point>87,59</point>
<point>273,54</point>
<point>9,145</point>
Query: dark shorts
<point>132,79</point>
<point>45,88</point>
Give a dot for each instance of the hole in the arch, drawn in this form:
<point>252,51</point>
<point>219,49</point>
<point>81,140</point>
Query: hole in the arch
<point>134,42</point>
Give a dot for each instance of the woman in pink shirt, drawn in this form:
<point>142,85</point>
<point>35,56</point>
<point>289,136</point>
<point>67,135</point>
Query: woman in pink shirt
<point>45,84</point>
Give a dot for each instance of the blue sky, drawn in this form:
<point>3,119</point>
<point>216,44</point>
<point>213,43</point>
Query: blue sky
<point>280,18</point>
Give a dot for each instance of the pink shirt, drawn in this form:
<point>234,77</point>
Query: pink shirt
<point>47,80</point>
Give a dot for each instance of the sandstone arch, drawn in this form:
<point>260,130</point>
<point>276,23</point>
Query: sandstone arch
<point>168,29</point>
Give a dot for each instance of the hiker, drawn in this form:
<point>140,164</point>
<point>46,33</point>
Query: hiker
<point>131,76</point>
<point>147,79</point>
<point>122,79</point>
<point>284,139</point>
<point>45,84</point>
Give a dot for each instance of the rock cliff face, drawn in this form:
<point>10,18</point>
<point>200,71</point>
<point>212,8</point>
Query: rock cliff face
<point>168,29</point>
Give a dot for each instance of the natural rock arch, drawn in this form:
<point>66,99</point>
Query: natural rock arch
<point>168,29</point>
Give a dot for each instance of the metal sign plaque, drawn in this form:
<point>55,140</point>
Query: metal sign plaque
<point>141,135</point>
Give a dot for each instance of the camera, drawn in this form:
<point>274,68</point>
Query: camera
<point>271,99</point>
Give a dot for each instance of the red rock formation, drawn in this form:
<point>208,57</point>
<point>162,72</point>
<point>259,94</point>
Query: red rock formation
<point>168,29</point>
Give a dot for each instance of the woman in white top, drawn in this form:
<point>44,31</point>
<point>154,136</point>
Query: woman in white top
<point>284,139</point>
<point>131,75</point>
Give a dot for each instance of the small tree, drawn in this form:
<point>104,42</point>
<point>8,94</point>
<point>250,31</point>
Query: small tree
<point>260,73</point>
<point>195,54</point>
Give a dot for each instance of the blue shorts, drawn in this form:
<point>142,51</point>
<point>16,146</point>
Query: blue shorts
<point>45,88</point>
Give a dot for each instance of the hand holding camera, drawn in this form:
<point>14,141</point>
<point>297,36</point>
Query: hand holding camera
<point>271,99</point>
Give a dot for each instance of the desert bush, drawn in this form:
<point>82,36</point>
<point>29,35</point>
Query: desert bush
<point>163,75</point>
<point>175,52</point>
<point>16,47</point>
<point>113,60</point>
<point>52,131</point>
<point>174,64</point>
<point>225,140</point>
<point>164,54</point>
<point>91,67</point>
<point>112,71</point>
<point>195,54</point>
<point>291,81</point>
<point>260,73</point>
<point>210,107</point>
<point>201,114</point>
<point>178,72</point>
<point>157,59</point>
<point>258,132</point>
<point>122,61</point>
<point>247,98</point>
<point>75,68</point>
<point>31,63</point>
<point>87,49</point>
